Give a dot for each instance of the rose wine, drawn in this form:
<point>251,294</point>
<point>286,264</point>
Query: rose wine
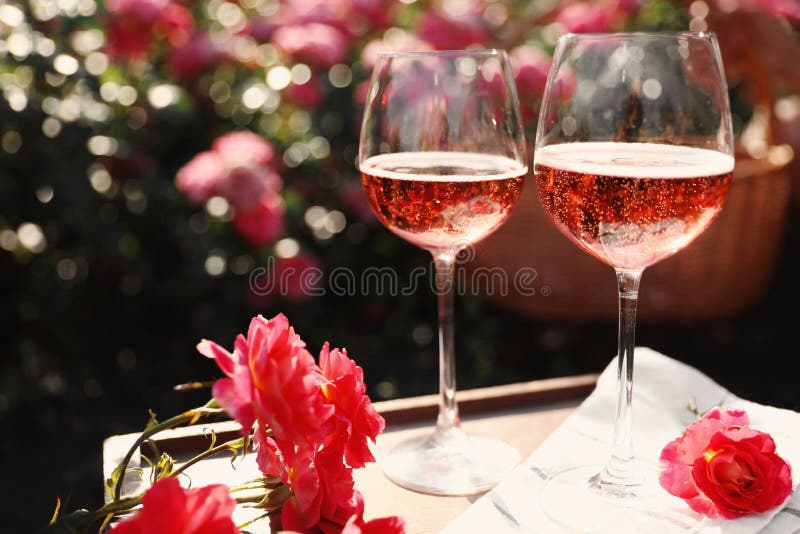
<point>631,204</point>
<point>442,200</point>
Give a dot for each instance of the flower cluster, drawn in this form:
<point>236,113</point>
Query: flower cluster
<point>722,467</point>
<point>312,422</point>
<point>168,508</point>
<point>238,169</point>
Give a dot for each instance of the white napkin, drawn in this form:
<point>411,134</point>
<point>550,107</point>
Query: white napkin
<point>663,388</point>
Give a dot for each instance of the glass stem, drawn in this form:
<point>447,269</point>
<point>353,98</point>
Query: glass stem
<point>444,262</point>
<point>619,471</point>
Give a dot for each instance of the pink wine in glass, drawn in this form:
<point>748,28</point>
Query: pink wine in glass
<point>438,200</point>
<point>631,204</point>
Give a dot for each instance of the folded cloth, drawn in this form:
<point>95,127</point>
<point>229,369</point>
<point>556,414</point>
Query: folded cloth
<point>663,390</point>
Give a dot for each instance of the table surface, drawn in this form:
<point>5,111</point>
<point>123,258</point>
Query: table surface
<point>522,414</point>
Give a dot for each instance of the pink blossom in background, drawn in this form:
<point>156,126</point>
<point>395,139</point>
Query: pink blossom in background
<point>351,198</point>
<point>243,148</point>
<point>245,185</point>
<point>319,45</point>
<point>197,56</point>
<point>264,223</point>
<point>334,13</point>
<point>400,42</point>
<point>198,179</point>
<point>307,95</point>
<point>448,30</point>
<point>375,13</point>
<point>238,168</point>
<point>588,17</point>
<point>790,9</point>
<point>531,66</point>
<point>167,508</point>
<point>299,274</point>
<point>132,26</point>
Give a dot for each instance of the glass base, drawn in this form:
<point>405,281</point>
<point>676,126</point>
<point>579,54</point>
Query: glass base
<point>449,462</point>
<point>576,501</point>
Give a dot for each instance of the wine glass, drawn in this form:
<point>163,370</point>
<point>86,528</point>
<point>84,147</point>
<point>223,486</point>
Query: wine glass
<point>442,160</point>
<point>633,160</point>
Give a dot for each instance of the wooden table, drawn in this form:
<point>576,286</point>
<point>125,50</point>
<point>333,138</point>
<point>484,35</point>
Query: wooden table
<point>523,414</point>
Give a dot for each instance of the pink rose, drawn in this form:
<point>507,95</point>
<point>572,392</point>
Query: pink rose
<point>384,525</point>
<point>271,371</point>
<point>318,417</point>
<point>355,418</point>
<point>720,466</point>
<point>198,55</point>
<point>243,148</point>
<point>245,186</point>
<point>133,25</point>
<point>308,95</point>
<point>167,508</point>
<point>319,45</point>
<point>531,67</point>
<point>588,17</point>
<point>454,31</point>
<point>198,179</point>
<point>264,223</point>
<point>401,42</point>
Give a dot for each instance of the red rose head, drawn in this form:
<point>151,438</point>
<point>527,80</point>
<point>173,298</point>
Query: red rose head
<point>168,508</point>
<point>719,466</point>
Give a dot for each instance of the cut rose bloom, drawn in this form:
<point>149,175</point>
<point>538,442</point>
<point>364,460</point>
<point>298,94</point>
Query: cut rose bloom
<point>355,417</point>
<point>167,508</point>
<point>272,376</point>
<point>722,467</point>
<point>311,423</point>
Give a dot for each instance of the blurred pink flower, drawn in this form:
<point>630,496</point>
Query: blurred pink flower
<point>132,26</point>
<point>350,197</point>
<point>198,179</point>
<point>245,185</point>
<point>590,17</point>
<point>454,30</point>
<point>790,9</point>
<point>167,508</point>
<point>198,55</point>
<point>400,42</point>
<point>307,95</point>
<point>580,16</point>
<point>298,272</point>
<point>319,45</point>
<point>243,148</point>
<point>375,13</point>
<point>531,66</point>
<point>263,223</point>
<point>238,168</point>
